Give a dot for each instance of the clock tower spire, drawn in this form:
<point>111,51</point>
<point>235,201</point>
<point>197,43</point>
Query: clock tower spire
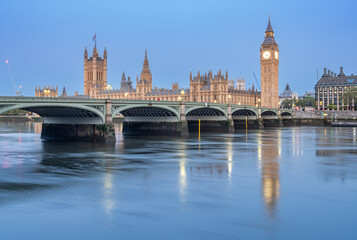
<point>269,69</point>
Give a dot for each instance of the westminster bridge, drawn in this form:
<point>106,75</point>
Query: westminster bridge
<point>174,116</point>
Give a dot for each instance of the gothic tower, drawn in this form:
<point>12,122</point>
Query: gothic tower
<point>269,70</point>
<point>95,73</point>
<point>144,85</point>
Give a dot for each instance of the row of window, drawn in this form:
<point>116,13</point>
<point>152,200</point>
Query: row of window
<point>99,76</point>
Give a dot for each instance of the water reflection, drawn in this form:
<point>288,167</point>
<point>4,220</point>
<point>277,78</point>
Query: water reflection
<point>182,176</point>
<point>108,199</point>
<point>269,151</point>
<point>165,186</point>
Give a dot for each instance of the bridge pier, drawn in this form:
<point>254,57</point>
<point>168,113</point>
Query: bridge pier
<point>230,121</point>
<point>78,132</point>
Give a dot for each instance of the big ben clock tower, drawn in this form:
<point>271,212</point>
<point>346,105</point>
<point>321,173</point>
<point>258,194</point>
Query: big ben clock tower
<point>269,71</point>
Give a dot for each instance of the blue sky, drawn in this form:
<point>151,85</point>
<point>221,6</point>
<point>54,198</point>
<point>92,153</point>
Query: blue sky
<point>44,40</point>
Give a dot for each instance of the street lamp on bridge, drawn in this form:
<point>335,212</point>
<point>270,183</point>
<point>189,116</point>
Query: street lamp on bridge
<point>47,91</point>
<point>109,88</point>
<point>181,98</point>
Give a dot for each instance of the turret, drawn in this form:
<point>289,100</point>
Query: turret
<point>85,53</point>
<point>105,53</point>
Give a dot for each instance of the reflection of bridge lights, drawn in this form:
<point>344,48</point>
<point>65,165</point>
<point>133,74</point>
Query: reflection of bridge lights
<point>230,158</point>
<point>182,178</point>
<point>108,202</point>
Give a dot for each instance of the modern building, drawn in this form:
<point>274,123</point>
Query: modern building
<point>330,89</point>
<point>269,62</point>
<point>288,94</point>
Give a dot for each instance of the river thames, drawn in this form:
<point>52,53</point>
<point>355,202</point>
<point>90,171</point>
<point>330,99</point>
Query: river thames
<point>276,183</point>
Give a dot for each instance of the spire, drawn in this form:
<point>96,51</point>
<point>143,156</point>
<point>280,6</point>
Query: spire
<point>269,35</point>
<point>269,28</point>
<point>146,62</point>
<point>105,52</point>
<point>64,92</point>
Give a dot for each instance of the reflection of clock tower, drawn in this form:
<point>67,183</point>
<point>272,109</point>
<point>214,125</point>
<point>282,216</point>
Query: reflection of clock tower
<point>269,62</point>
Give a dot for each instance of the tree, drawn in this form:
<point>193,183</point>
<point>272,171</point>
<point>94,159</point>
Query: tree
<point>349,98</point>
<point>331,106</point>
<point>287,103</point>
<point>305,102</point>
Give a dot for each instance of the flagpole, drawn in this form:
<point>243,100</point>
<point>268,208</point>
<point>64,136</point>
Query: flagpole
<point>95,43</point>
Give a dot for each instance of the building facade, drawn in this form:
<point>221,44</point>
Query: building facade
<point>95,73</point>
<point>207,87</point>
<point>288,94</point>
<point>330,89</point>
<point>203,88</point>
<point>269,62</point>
<point>49,92</point>
<point>46,91</point>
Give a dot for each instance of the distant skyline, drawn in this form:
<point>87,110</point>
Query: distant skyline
<point>44,41</point>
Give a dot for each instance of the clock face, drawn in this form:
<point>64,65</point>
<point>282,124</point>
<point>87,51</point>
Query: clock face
<point>266,55</point>
<point>276,55</point>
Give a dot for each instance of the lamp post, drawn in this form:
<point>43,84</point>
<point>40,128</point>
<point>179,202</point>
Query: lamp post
<point>182,94</point>
<point>47,91</point>
<point>259,103</point>
<point>109,88</point>
<point>229,99</point>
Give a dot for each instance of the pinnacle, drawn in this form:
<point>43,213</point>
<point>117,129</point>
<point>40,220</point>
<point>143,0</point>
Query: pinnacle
<point>269,28</point>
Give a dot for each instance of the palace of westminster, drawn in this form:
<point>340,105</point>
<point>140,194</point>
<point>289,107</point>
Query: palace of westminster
<point>207,87</point>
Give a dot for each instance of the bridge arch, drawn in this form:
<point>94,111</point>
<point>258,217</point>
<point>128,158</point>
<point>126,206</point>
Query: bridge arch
<point>243,113</point>
<point>286,115</point>
<point>211,113</point>
<point>269,113</point>
<point>147,113</point>
<point>60,113</point>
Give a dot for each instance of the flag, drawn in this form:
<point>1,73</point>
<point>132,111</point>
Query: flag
<point>94,36</point>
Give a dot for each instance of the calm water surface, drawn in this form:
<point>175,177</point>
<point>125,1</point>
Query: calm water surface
<point>279,183</point>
